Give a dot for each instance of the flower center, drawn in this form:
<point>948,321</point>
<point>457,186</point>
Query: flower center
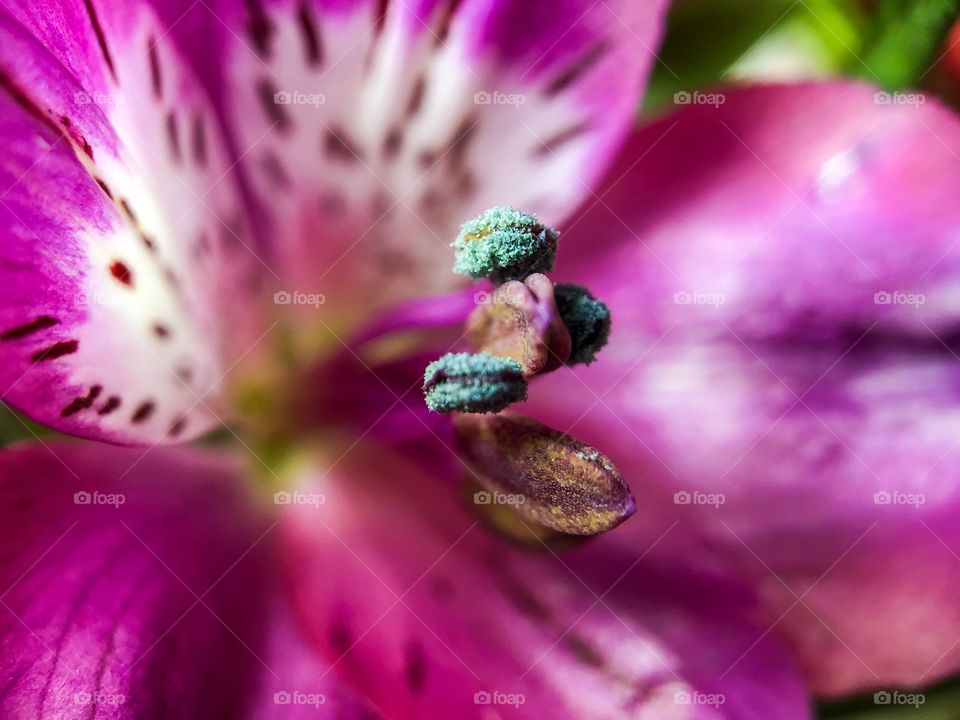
<point>521,327</point>
<point>526,327</point>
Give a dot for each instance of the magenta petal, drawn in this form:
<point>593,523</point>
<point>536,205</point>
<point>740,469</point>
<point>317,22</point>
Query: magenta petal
<point>429,616</point>
<point>123,261</point>
<point>297,682</point>
<point>783,275</point>
<point>374,129</point>
<point>134,584</point>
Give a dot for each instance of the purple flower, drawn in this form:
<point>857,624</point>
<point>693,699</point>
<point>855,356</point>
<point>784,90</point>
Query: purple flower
<point>238,215</point>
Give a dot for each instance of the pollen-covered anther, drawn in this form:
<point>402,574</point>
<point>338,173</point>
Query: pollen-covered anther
<point>547,476</point>
<point>473,383</point>
<point>586,318</point>
<point>520,320</point>
<point>504,244</point>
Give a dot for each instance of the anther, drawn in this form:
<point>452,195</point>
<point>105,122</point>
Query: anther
<point>553,479</point>
<point>468,383</point>
<point>587,319</point>
<point>504,244</point>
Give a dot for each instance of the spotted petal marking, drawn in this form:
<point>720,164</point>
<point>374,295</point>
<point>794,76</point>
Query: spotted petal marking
<point>374,128</point>
<point>123,253</point>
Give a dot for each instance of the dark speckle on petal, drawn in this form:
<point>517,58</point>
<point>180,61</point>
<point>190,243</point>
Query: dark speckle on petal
<point>143,412</point>
<point>57,350</point>
<point>340,637</point>
<point>83,402</point>
<point>112,403</point>
<point>155,75</point>
<point>121,272</point>
<point>21,331</point>
<point>173,136</point>
<point>414,666</point>
<point>310,35</point>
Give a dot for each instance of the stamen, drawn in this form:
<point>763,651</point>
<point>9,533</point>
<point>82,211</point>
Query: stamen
<point>504,244</point>
<point>546,476</point>
<point>587,319</point>
<point>521,321</point>
<point>500,516</point>
<point>468,383</point>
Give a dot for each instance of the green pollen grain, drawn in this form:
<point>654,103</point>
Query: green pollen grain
<point>473,383</point>
<point>587,319</point>
<point>504,244</point>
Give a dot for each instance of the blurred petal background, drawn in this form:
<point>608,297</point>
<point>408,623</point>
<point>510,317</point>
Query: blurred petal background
<point>892,44</point>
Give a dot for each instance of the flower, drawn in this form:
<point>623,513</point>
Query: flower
<point>243,211</point>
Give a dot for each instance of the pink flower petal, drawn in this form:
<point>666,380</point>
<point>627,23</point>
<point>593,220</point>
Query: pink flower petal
<point>135,585</point>
<point>429,616</point>
<point>298,683</point>
<point>368,138</point>
<point>124,263</point>
<point>783,273</point>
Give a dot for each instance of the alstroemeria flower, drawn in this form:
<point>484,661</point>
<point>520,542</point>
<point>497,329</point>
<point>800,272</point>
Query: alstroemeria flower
<point>228,212</point>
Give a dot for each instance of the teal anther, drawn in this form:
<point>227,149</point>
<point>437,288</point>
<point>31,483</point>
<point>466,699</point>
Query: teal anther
<point>587,319</point>
<point>481,383</point>
<point>504,244</point>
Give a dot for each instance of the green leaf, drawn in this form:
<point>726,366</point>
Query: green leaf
<point>904,41</point>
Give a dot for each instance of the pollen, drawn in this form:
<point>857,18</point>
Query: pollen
<point>504,244</point>
<point>473,383</point>
<point>587,319</point>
